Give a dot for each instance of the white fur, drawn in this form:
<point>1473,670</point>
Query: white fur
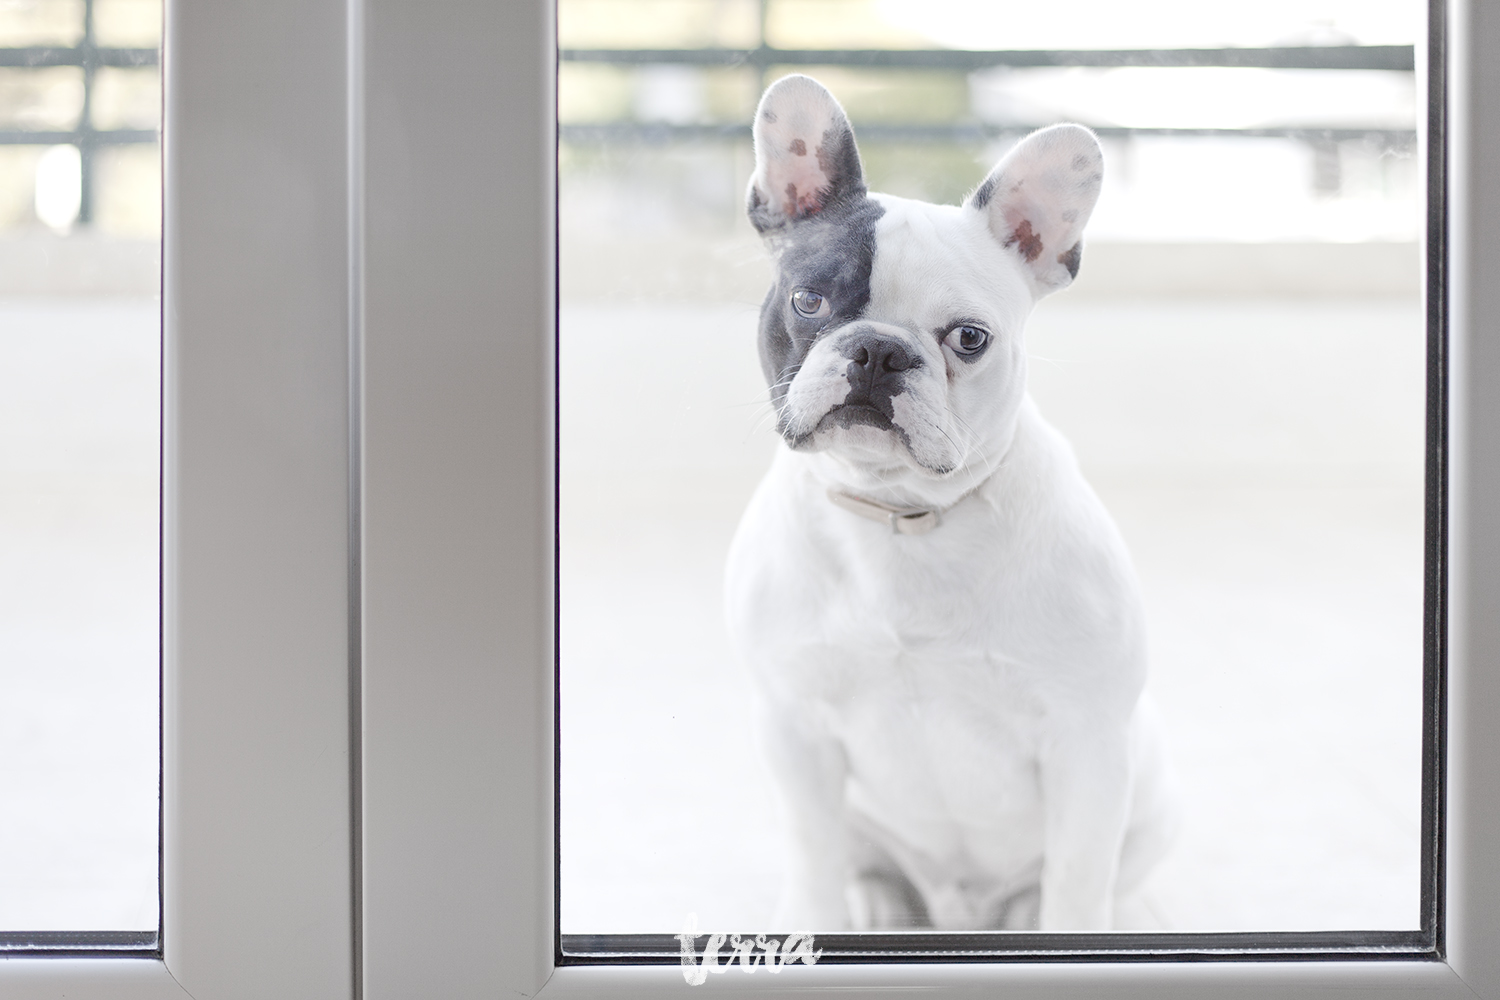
<point>964,703</point>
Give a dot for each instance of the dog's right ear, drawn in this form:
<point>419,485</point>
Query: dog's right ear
<point>805,158</point>
<point>1038,199</point>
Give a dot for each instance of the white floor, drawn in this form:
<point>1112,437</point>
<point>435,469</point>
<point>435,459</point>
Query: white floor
<point>78,614</point>
<point>1263,460</point>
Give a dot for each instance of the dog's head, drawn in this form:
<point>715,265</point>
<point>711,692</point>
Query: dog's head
<point>892,336</point>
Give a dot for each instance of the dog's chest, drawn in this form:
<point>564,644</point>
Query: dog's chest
<point>946,615</point>
<point>941,738</point>
<point>937,663</point>
<point>913,663</point>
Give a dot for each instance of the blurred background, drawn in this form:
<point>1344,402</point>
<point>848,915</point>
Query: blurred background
<point>1240,368</point>
<point>80,209</point>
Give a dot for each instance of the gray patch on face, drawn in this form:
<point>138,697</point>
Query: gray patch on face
<point>832,254</point>
<point>1071,258</point>
<point>769,116</point>
<point>1080,162</point>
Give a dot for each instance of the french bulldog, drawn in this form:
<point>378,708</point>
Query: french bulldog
<point>943,622</point>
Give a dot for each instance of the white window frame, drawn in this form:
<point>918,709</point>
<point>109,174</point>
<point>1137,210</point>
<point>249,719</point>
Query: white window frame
<point>420,136</point>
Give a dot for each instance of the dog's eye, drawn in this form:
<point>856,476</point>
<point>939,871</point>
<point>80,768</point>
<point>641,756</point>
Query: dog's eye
<point>809,304</point>
<point>967,340</point>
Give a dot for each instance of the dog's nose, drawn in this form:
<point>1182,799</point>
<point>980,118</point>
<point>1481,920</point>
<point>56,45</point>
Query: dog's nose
<point>879,356</point>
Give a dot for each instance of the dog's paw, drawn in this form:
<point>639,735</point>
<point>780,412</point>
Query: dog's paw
<point>885,900</point>
<point>1020,911</point>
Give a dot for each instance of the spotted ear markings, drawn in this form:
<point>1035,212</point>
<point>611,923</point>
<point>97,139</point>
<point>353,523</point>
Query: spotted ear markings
<point>805,202</point>
<point>806,160</point>
<point>1027,243</point>
<point>1071,258</point>
<point>1039,198</point>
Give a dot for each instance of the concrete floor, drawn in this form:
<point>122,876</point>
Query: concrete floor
<point>1262,458</point>
<point>79,384</point>
<point>1263,461</point>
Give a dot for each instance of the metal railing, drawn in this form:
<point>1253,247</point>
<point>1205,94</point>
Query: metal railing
<point>1386,57</point>
<point>89,56</point>
<point>1399,58</point>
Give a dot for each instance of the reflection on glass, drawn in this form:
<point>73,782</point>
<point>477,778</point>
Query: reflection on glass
<point>79,471</point>
<point>1239,369</point>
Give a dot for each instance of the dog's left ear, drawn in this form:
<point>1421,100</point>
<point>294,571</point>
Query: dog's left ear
<point>806,161</point>
<point>1039,197</point>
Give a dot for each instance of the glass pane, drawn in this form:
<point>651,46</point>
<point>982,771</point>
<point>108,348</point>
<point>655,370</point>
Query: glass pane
<point>80,387</point>
<point>1239,369</point>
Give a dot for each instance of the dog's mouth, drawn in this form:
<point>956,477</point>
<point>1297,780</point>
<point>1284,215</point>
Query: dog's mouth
<point>848,415</point>
<point>863,412</point>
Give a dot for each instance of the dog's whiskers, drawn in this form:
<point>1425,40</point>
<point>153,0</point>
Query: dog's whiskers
<point>1060,363</point>
<point>973,446</point>
<point>764,419</point>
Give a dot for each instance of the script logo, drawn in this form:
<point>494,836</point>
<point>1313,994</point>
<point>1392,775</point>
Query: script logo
<point>772,952</point>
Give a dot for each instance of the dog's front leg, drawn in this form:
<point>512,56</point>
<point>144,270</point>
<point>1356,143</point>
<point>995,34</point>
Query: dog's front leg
<point>1085,772</point>
<point>811,769</point>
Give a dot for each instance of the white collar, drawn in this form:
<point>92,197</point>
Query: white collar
<point>903,520</point>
